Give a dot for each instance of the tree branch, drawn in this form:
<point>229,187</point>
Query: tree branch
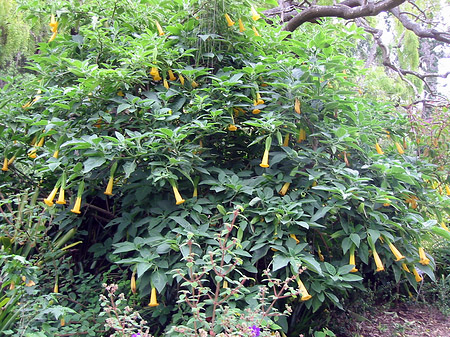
<point>376,33</point>
<point>350,9</point>
<point>419,30</point>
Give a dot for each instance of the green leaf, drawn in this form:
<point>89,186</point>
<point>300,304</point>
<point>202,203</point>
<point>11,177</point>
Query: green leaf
<point>355,239</point>
<point>279,262</point>
<point>93,162</point>
<point>129,167</point>
<point>441,232</point>
<point>159,280</point>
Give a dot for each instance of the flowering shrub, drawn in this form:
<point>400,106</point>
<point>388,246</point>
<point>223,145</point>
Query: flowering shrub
<point>147,120</point>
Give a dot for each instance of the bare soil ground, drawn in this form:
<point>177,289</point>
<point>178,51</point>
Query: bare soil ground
<point>405,320</point>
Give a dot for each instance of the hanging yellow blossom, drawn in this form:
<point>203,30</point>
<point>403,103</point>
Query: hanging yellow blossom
<point>41,141</point>
<point>286,140</point>
<point>321,257</point>
<point>378,262</point>
<point>297,241</point>
<point>181,79</point>
<point>49,200</point>
<point>444,226</point>
<point>255,14</point>
<point>172,76</point>
<point>255,31</point>
<point>32,153</point>
<point>265,159</point>
<point>11,160</point>
<point>405,268</point>
<point>229,21</point>
<point>423,258</point>
<point>5,164</point>
<point>447,189</point>
<point>178,198</point>
<point>232,127</point>
<point>305,295</point>
<point>109,187</point>
<point>194,84</point>
<point>61,198</point>
<point>133,283</point>
<point>416,275</point>
<point>56,287</point>
<point>155,74</point>
<point>297,106</point>
<point>54,27</point>
<point>301,135</point>
<point>352,259</point>
<point>399,148</point>
<point>225,284</point>
<point>395,251</point>
<point>166,84</point>
<point>120,93</point>
<point>153,299</point>
<point>77,206</point>
<point>378,148</point>
<point>258,99</point>
<point>241,26</point>
<point>160,30</point>
<point>284,189</point>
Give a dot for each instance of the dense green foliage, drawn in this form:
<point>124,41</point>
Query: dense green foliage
<point>102,103</point>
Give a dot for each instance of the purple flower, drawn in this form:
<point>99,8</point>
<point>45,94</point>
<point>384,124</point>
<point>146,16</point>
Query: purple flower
<point>255,331</point>
<point>136,335</point>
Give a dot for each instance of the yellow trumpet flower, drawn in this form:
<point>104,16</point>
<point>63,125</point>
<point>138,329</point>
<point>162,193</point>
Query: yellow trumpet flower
<point>166,84</point>
<point>155,74</point>
<point>56,287</point>
<point>61,199</point>
<point>160,30</point>
<point>5,164</point>
<point>56,154</point>
<point>378,262</point>
<point>297,241</point>
<point>225,284</point>
<point>297,106</point>
<point>416,275</point>
<point>444,226</point>
<point>301,135</point>
<point>265,159</point>
<point>232,127</point>
<point>396,253</point>
<point>109,187</point>
<point>405,268</point>
<point>172,76</point>
<point>447,189</point>
<point>133,283</point>
<point>255,31</point>
<point>378,148</point>
<point>284,189</point>
<point>49,200</point>
<point>194,84</point>
<point>255,14</point>
<point>229,21</point>
<point>286,140</point>
<point>11,160</point>
<point>77,206</point>
<point>352,260</point>
<point>241,26</point>
<point>423,258</point>
<point>153,299</point>
<point>181,79</point>
<point>305,295</point>
<point>178,198</point>
<point>399,148</point>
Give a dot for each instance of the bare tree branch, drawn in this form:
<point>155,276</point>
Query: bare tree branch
<point>419,30</point>
<point>350,9</point>
<point>376,33</point>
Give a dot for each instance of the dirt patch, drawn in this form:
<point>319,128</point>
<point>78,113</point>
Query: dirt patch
<point>405,320</point>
